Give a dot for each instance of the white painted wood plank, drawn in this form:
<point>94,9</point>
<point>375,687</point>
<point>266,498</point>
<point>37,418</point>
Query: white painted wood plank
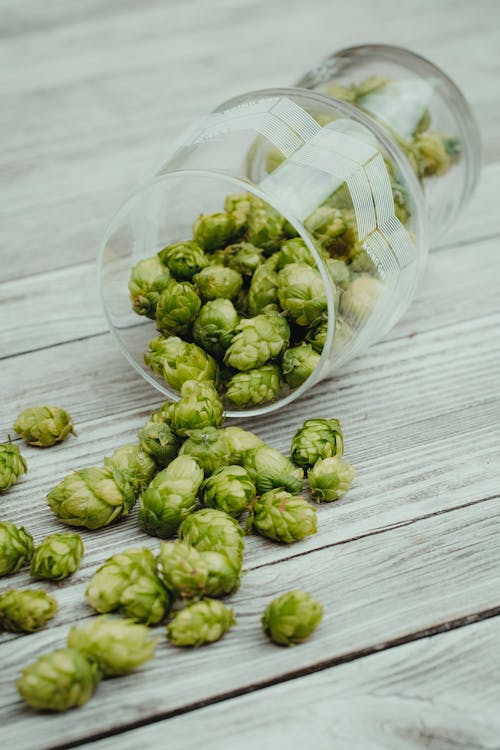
<point>439,692</point>
<point>375,590</point>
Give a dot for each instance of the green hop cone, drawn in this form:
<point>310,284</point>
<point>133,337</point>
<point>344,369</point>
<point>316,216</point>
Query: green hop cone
<point>316,336</point>
<point>213,231</point>
<point>223,574</point>
<point>431,154</point>
<point>182,569</point>
<point>241,441</point>
<point>215,325</point>
<point>132,468</point>
<point>263,291</point>
<point>295,251</point>
<point>177,307</point>
<point>63,679</point>
<point>229,489</point>
<point>128,582</point>
<point>118,646</point>
<point>26,611</point>
<point>57,556</point>
<point>292,617</point>
<point>301,293</point>
<point>12,465</point>
<point>214,531</point>
<point>170,497</point>
<point>326,223</point>
<point>204,622</point>
<point>158,440</point>
<point>269,469</point>
<point>254,387</point>
<point>317,438</point>
<point>183,259</point>
<point>16,548</point>
<point>238,205</point>
<point>339,271</point>
<point>217,282</point>
<point>163,413</point>
<point>177,361</point>
<point>360,298</point>
<point>210,447</point>
<point>90,498</point>
<point>330,478</point>
<point>258,340</point>
<point>43,426</point>
<point>283,517</point>
<point>198,407</point>
<point>298,364</point>
<point>243,257</point>
<point>265,226</point>
<point>148,279</point>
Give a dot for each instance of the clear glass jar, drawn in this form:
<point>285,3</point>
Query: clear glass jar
<point>362,178</point>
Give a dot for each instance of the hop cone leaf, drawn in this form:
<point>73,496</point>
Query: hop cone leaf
<point>317,438</point>
<point>269,469</point>
<point>214,531</point>
<point>213,231</point>
<point>58,681</point>
<point>258,340</point>
<point>182,569</point>
<point>218,282</point>
<point>254,387</point>
<point>26,611</point>
<point>163,413</point>
<point>215,325</point>
<point>301,293</point>
<point>204,622</point>
<point>90,498</point>
<point>210,447</point>
<point>12,465</point>
<point>118,646</point>
<point>198,407</point>
<point>295,251</point>
<point>241,441</point>
<point>148,279</point>
<point>292,617</point>
<point>263,291</point>
<point>176,308</point>
<point>177,361</point>
<point>283,517</point>
<point>128,583</point>
<point>158,440</point>
<point>170,497</point>
<point>330,478</point>
<point>229,489</point>
<point>43,426</point>
<point>298,364</point>
<point>16,547</point>
<point>57,557</point>
<point>183,259</point>
<point>316,336</point>
<point>132,468</point>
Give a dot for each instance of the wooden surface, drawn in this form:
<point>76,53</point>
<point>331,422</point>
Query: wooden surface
<point>408,563</point>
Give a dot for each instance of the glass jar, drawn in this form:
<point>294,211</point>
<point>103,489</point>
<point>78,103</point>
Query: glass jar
<point>370,156</point>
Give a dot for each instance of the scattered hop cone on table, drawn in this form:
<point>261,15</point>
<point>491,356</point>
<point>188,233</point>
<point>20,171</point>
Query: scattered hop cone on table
<point>12,465</point>
<point>292,617</point>
<point>302,294</point>
<point>148,279</point>
<point>176,361</point>
<point>204,622</point>
<point>298,364</point>
<point>254,387</point>
<point>269,469</point>
<point>176,308</point>
<point>58,681</point>
<point>223,573</point>
<point>158,440</point>
<point>182,569</point>
<point>91,498</point>
<point>218,282</point>
<point>215,326</point>
<point>330,478</point>
<point>210,448</point>
<point>283,517</point>
<point>214,531</point>
<point>257,341</point>
<point>16,548</point>
<point>118,646</point>
<point>229,489</point>
<point>57,556</point>
<point>198,407</point>
<point>213,231</point>
<point>132,468</point>
<point>317,438</point>
<point>183,259</point>
<point>240,442</point>
<point>128,582</point>
<point>26,611</point>
<point>43,426</point>
<point>170,497</point>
